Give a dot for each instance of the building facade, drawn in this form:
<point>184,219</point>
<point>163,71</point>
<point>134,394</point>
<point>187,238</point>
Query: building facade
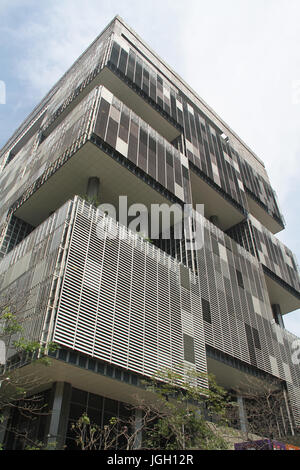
<point>120,122</point>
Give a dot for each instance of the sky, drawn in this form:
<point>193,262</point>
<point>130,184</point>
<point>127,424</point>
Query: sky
<point>241,56</point>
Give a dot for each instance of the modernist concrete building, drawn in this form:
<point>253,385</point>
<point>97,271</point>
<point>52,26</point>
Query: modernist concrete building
<point>121,122</point>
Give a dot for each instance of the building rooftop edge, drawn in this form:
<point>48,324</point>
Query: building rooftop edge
<point>117,17</point>
<point>211,110</point>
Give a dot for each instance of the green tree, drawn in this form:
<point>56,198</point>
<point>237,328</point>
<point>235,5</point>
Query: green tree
<point>89,436</point>
<point>16,386</point>
<point>184,409</point>
<point>267,409</point>
<point>175,412</point>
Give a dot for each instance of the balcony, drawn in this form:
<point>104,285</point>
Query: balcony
<point>218,205</point>
<point>145,87</point>
<point>279,267</point>
<point>119,148</point>
<point>129,93</point>
<point>93,286</point>
<point>34,166</point>
<point>260,211</point>
<point>261,198</point>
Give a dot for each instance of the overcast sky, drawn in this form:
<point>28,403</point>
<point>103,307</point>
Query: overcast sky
<point>242,57</point>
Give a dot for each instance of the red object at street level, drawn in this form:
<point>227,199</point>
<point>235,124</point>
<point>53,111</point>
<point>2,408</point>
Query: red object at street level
<point>264,444</point>
<point>291,447</point>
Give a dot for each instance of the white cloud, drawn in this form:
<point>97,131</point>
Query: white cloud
<point>66,28</point>
<point>292,323</point>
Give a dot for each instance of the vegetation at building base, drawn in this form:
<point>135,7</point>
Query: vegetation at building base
<point>267,408</point>
<point>183,415</point>
<point>16,386</point>
<point>266,412</point>
<point>175,415</point>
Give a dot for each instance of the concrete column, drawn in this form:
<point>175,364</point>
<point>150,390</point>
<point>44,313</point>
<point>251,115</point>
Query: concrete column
<point>242,413</point>
<point>277,314</point>
<point>283,421</point>
<point>93,188</point>
<point>61,396</point>
<point>3,425</point>
<point>138,425</point>
<point>288,412</point>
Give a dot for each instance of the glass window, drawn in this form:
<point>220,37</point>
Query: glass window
<point>111,406</point>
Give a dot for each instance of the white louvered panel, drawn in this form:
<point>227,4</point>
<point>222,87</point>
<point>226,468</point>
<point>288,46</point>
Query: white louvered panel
<point>208,334</point>
<point>226,330</point>
<point>235,337</point>
<point>121,312</point>
<point>294,395</point>
<point>214,307</point>
<point>244,352</point>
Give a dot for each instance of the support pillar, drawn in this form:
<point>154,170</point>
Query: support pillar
<point>61,396</point>
<point>93,187</point>
<point>288,412</point>
<point>242,413</point>
<point>4,425</point>
<point>277,315</point>
<point>138,427</point>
